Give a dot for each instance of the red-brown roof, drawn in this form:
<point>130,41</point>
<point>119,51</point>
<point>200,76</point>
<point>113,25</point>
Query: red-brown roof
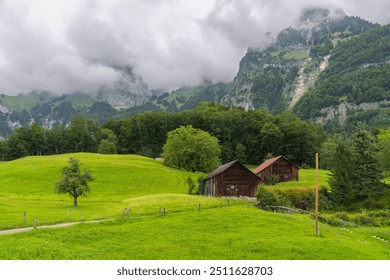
<point>269,162</point>
<point>265,164</point>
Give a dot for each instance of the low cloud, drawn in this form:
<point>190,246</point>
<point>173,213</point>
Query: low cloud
<point>82,45</point>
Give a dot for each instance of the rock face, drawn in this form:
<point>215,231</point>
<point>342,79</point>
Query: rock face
<point>275,79</point>
<point>341,112</point>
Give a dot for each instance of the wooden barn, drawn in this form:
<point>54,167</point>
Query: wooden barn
<point>231,179</point>
<point>280,166</point>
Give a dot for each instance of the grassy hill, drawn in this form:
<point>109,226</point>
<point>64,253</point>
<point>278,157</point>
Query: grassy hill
<point>219,229</point>
<point>27,185</point>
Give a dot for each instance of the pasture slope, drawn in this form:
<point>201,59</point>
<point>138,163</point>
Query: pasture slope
<point>27,185</point>
<point>192,227</point>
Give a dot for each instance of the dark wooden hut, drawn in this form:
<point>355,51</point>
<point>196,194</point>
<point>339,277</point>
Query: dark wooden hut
<point>231,179</point>
<point>279,166</point>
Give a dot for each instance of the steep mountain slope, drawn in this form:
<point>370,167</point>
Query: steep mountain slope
<point>355,82</point>
<point>275,79</point>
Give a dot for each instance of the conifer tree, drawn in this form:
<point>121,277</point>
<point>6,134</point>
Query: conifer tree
<point>356,171</point>
<point>368,174</point>
<point>341,178</point>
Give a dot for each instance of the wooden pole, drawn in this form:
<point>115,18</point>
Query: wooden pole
<point>317,226</point>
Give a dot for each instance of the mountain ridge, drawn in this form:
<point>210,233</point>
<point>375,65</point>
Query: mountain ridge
<point>313,70</point>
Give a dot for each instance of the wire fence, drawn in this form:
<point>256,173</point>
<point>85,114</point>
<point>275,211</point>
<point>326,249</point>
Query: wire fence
<point>12,220</point>
<point>326,221</point>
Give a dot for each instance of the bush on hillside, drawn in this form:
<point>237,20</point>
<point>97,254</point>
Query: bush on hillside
<point>266,197</point>
<point>302,198</point>
<point>272,179</point>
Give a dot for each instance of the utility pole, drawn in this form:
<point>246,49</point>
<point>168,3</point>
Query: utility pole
<point>317,226</point>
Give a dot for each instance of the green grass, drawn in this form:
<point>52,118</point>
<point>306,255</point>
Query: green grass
<point>27,185</point>
<point>185,92</point>
<point>307,178</point>
<point>193,227</point>
<point>228,232</point>
<point>296,55</point>
<point>77,100</point>
<point>19,102</point>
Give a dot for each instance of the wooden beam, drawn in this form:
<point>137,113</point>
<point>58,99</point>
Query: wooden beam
<point>317,225</point>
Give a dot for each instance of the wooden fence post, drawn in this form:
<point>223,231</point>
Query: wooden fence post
<point>24,217</point>
<point>316,201</point>
<point>35,222</point>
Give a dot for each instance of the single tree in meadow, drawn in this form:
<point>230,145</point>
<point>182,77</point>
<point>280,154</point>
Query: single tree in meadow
<point>73,181</point>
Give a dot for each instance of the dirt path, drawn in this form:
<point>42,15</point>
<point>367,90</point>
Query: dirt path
<point>18,230</point>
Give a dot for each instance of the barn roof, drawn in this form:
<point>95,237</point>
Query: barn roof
<point>225,166</point>
<point>269,162</point>
<point>221,169</point>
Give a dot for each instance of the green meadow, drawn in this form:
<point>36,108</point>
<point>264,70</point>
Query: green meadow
<point>163,222</point>
<point>227,232</point>
<point>121,181</point>
<point>307,178</point>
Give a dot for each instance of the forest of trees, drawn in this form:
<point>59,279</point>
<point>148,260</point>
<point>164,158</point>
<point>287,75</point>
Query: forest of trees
<point>358,162</point>
<point>246,135</point>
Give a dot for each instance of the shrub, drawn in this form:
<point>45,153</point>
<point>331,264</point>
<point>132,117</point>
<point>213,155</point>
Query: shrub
<point>365,220</point>
<point>335,221</point>
<point>303,198</point>
<point>266,197</point>
<point>201,185</point>
<point>272,179</point>
<point>343,216</point>
<point>191,186</point>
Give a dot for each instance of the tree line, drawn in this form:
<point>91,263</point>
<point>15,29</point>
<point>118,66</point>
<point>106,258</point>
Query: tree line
<point>245,135</point>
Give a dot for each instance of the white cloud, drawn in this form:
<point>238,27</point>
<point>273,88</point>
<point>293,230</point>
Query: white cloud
<point>63,46</point>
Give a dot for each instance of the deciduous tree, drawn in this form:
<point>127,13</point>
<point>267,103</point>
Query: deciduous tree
<point>73,181</point>
<point>191,149</point>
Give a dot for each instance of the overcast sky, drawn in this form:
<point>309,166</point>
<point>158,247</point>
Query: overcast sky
<point>69,45</point>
